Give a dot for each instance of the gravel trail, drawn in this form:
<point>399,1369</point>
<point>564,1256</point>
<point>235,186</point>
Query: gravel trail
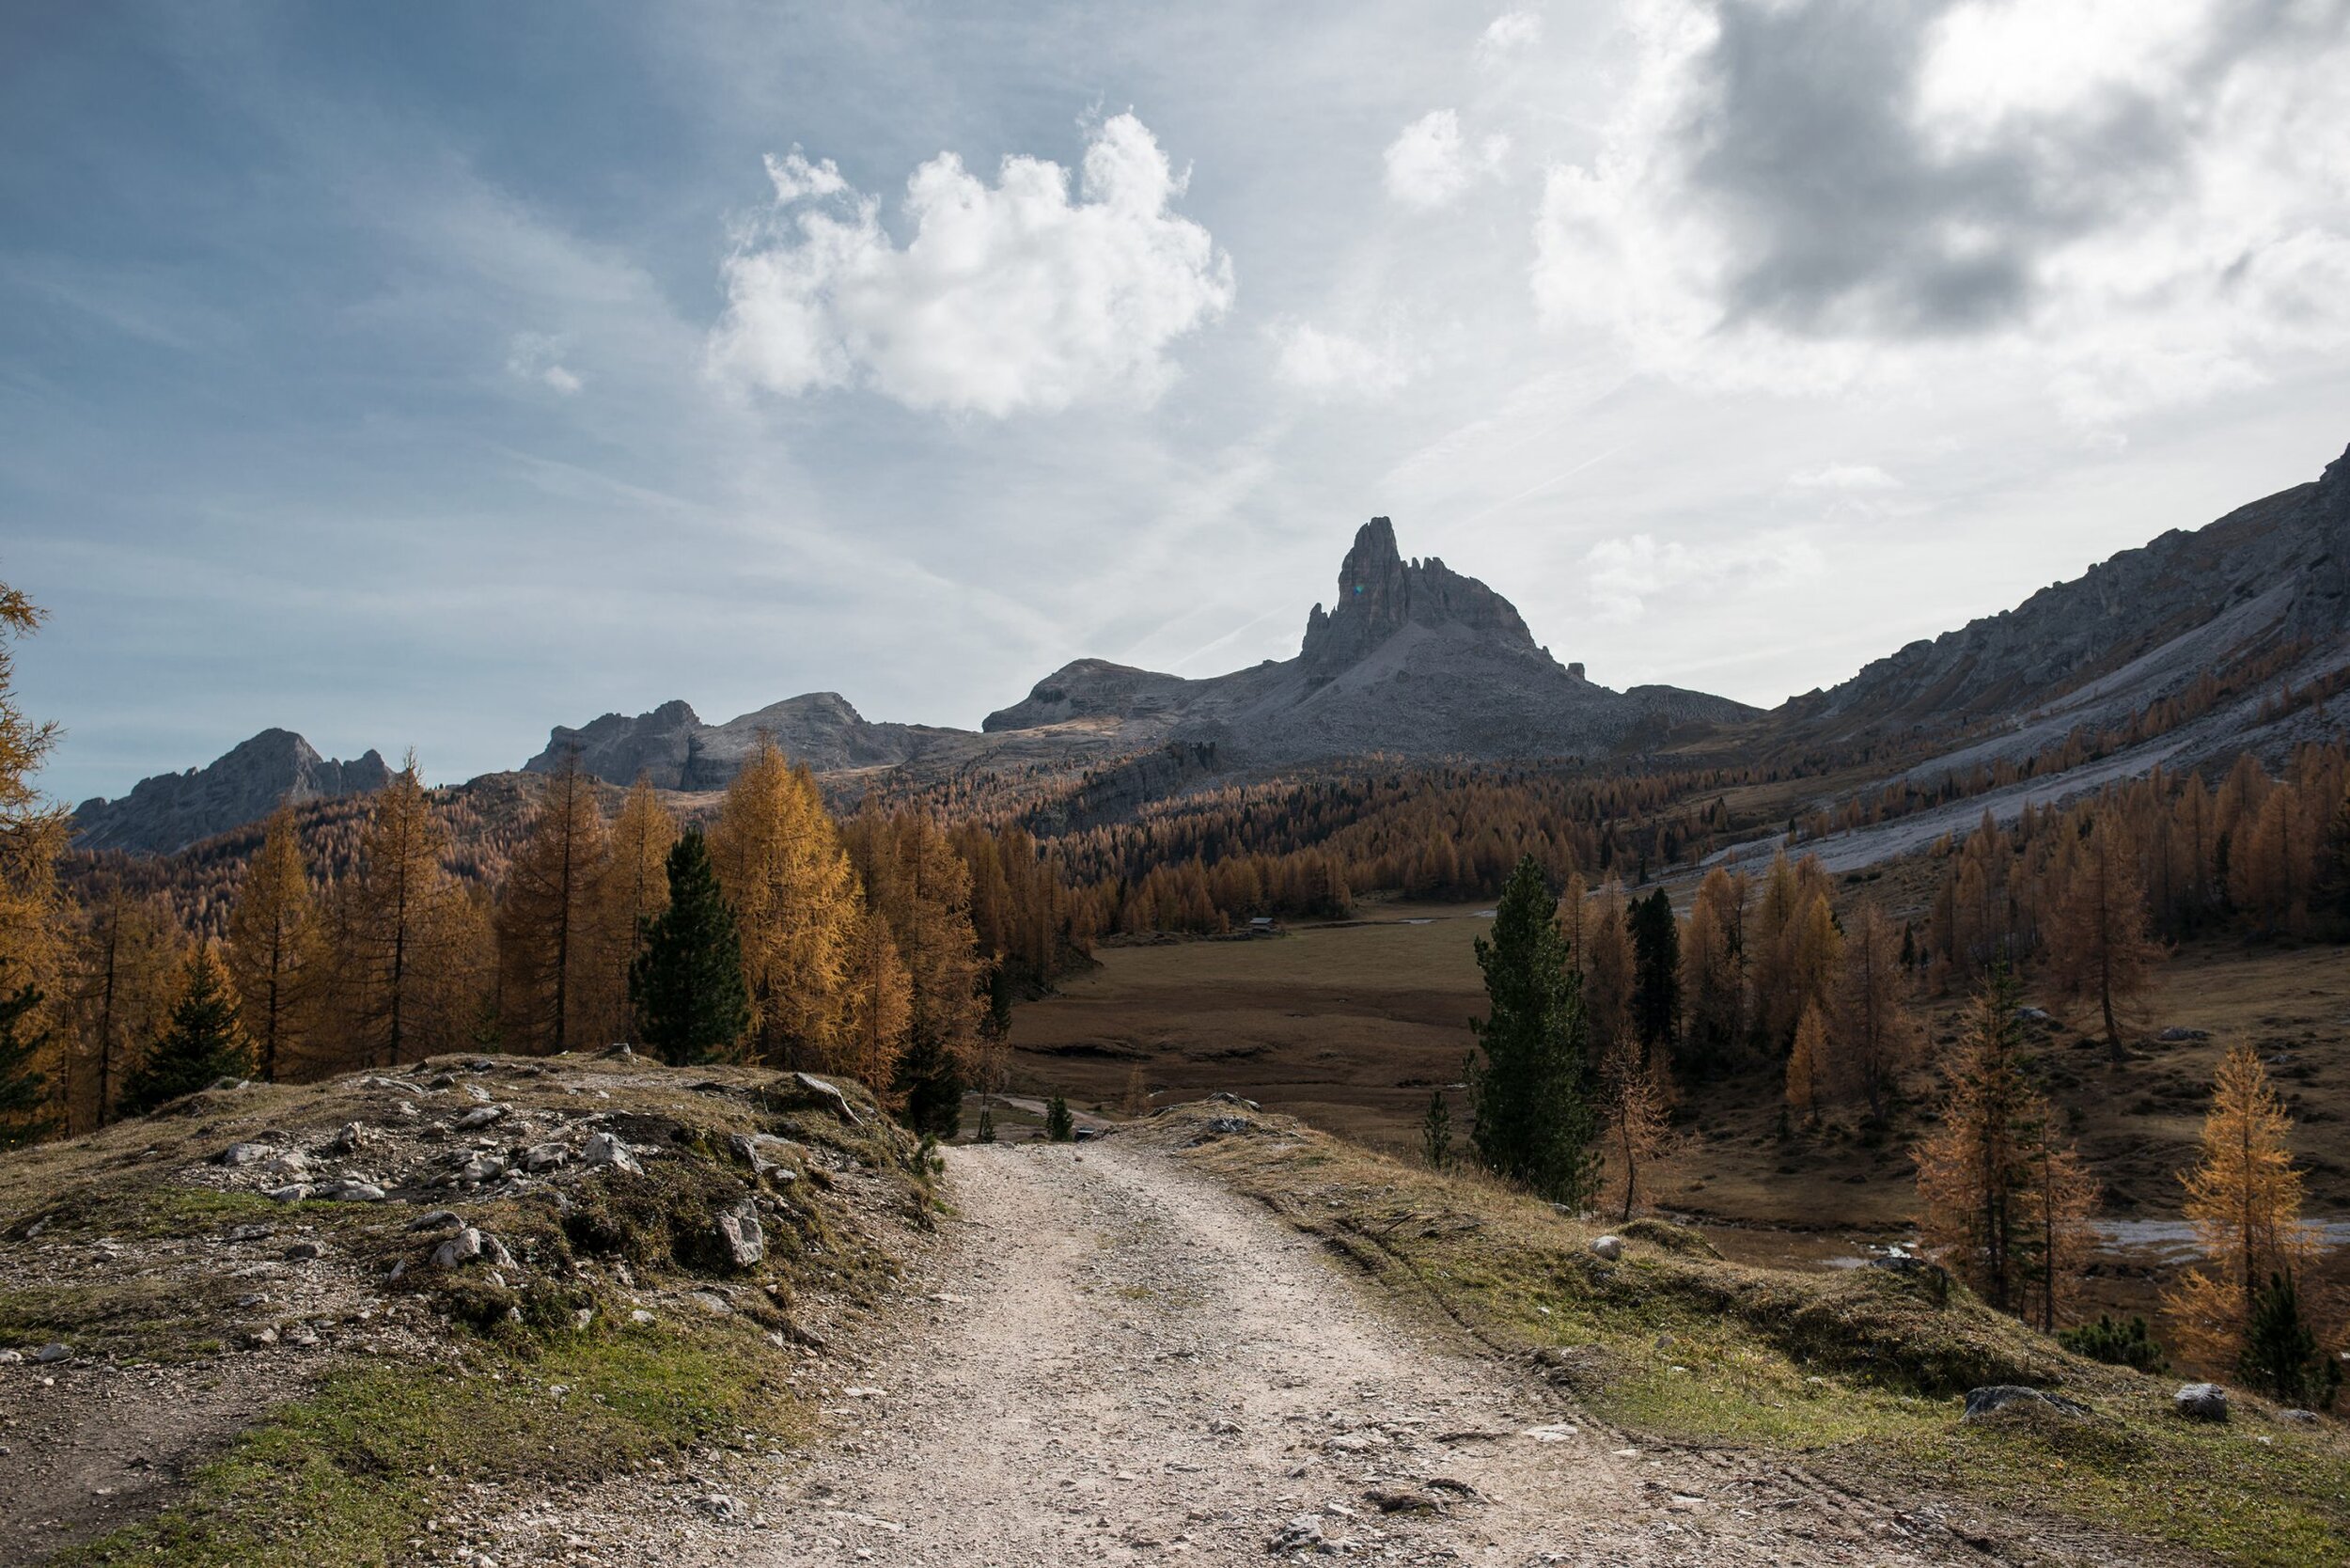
<point>1130,1364</point>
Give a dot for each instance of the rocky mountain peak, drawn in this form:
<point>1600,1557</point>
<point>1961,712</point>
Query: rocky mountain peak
<point>173,811</point>
<point>1379,594</point>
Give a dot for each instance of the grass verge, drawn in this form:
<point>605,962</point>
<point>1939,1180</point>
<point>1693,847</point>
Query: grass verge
<point>1861,1374</point>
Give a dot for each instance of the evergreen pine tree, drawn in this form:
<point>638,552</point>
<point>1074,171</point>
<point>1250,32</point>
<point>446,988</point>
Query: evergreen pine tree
<point>986,1133</point>
<point>2281,1357</point>
<point>1060,1126</point>
<point>687,985</point>
<point>1435,1133</point>
<point>1655,971</point>
<point>930,1084</point>
<point>1531,1090</point>
<point>22,1086</point>
<point>201,1044</point>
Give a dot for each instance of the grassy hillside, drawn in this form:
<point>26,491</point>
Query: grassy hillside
<point>248,1378</point>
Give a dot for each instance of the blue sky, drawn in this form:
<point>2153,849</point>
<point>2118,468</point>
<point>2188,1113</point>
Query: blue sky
<point>428,375</point>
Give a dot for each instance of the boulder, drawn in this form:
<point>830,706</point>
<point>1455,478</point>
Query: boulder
<point>609,1149</point>
<point>304,1252</point>
<point>834,1099</point>
<point>481,1116</point>
<point>2200,1401</point>
<point>739,1235</point>
<point>293,1192</point>
<point>544,1157</point>
<point>459,1250</point>
<point>243,1153</point>
<point>1993,1398</point>
<point>1610,1247</point>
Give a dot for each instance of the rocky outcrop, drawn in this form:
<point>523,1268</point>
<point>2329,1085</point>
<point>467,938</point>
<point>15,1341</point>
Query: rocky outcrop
<point>674,750</point>
<point>173,811</point>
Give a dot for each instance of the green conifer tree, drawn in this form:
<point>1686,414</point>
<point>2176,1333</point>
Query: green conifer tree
<point>1531,1090</point>
<point>687,982</point>
<point>1656,971</point>
<point>1060,1126</point>
<point>932,1085</point>
<point>1435,1133</point>
<point>2281,1356</point>
<point>23,1089</point>
<point>200,1044</point>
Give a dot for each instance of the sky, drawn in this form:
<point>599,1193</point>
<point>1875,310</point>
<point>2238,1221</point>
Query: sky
<point>427,375</point>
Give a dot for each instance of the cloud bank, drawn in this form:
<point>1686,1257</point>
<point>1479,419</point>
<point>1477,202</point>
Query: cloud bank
<point>1006,298</point>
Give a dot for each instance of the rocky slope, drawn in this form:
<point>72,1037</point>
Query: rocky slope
<point>172,810</point>
<point>2268,582</point>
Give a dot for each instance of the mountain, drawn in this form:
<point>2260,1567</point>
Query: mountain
<point>2257,600</point>
<point>1414,660</point>
<point>172,810</point>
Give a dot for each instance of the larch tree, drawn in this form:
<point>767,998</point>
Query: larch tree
<point>2005,1207</point>
<point>120,986</point>
<point>1809,1067</point>
<point>201,1042</point>
<point>2098,945</point>
<point>269,937</point>
<point>2244,1199</point>
<point>1606,963</point>
<point>1531,1086</point>
<point>1713,977</point>
<point>548,934</point>
<point>880,1007</point>
<point>635,888</point>
<point>796,903</point>
<point>915,881</point>
<point>1639,1136</point>
<point>33,936</point>
<point>1875,1037</point>
<point>398,919</point>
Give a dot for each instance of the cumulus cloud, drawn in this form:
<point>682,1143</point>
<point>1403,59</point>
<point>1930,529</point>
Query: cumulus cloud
<point>1005,297</point>
<point>2140,196</point>
<point>1333,365</point>
<point>1621,575</point>
<point>1507,34</point>
<point>534,357</point>
<point>1431,162</point>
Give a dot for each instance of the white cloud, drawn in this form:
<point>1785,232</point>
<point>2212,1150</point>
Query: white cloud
<point>1431,162</point>
<point>533,356</point>
<point>1334,365</point>
<point>1623,575</point>
<point>1848,477</point>
<point>1508,33</point>
<point>1007,297</point>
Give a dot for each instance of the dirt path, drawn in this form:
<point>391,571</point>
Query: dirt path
<point>1126,1364</point>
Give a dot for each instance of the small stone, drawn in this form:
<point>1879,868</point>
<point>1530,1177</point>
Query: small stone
<point>293,1193</point>
<point>1301,1534</point>
<point>302,1252</point>
<point>481,1168</point>
<point>581,1317</point>
<point>545,1156</point>
<point>739,1234</point>
<point>348,1140</point>
<point>2200,1401</point>
<point>12,1358</point>
<point>724,1509</point>
<point>481,1116</point>
<point>493,1252</point>
<point>248,1232</point>
<point>1610,1247</point>
<point>2297,1418</point>
<point>638,1316</point>
<point>243,1153</point>
<point>260,1337</point>
<point>460,1249</point>
<point>302,1334</point>
<point>49,1355</point>
<point>435,1220</point>
<point>355,1192</point>
<point>251,1299</point>
<point>607,1149</point>
<point>442,1081</point>
<point>293,1162</point>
